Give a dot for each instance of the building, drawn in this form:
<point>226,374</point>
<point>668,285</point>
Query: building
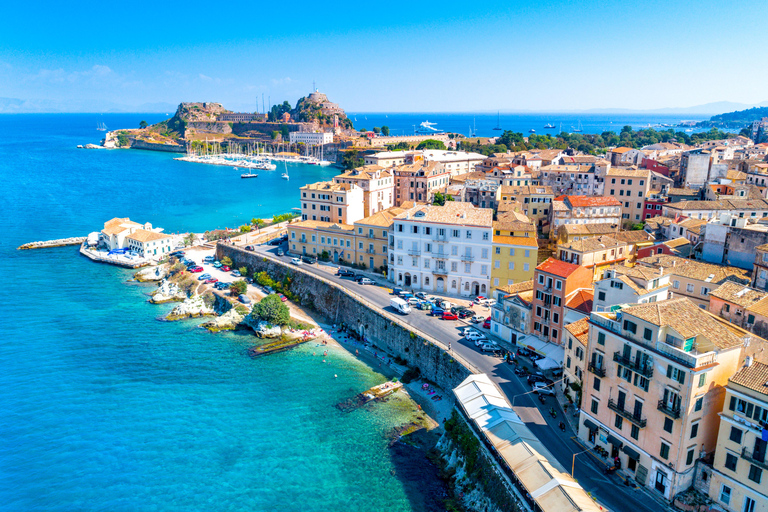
<point>325,240</point>
<point>630,285</point>
<point>372,237</point>
<point>388,158</point>
<point>326,201</point>
<point>760,268</point>
<point>240,117</point>
<point>378,187</point>
<point>742,306</point>
<point>443,249</point>
<point>585,210</point>
<point>694,168</point>
<point>629,186</point>
<point>654,388</point>
<point>574,353</point>
<point>732,240</point>
<point>311,138</point>
<point>455,162</point>
<point>482,193</point>
<point>693,279</point>
<point>594,253</point>
<point>625,156</point>
<point>742,208</point>
<point>654,201</point>
<point>536,202</point>
<point>738,473</point>
<point>554,280</point>
<point>571,232</point>
<point>124,234</point>
<point>511,315</point>
<point>514,260</point>
<point>419,181</point>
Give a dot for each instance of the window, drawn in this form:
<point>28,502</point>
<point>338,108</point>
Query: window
<point>735,435</point>
<point>668,425</point>
<point>568,362</point>
<point>647,334</point>
<point>498,250</point>
<point>601,338</point>
<point>526,267</point>
<point>634,432</point>
<point>601,296</point>
<point>694,430</point>
<point>469,234</point>
<point>676,374</point>
<point>702,379</point>
<point>496,264</point>
<point>618,422</point>
<point>725,495</point>
<point>675,284</point>
<point>689,288</point>
<point>630,326</point>
<point>699,402</point>
<point>596,384</point>
<point>689,456</point>
<point>511,265</point>
<point>558,285</point>
<point>594,406</point>
<point>755,473</point>
<point>749,504</point>
<point>730,461</point>
<point>664,451</point>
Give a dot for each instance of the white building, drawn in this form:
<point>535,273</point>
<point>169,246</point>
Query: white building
<point>123,233</point>
<point>314,138</point>
<point>443,249</point>
<point>630,285</point>
<point>150,244</point>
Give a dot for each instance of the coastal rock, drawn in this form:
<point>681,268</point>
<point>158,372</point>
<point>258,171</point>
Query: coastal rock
<point>156,273</point>
<point>192,307</point>
<point>168,292</point>
<point>263,329</point>
<point>226,322</point>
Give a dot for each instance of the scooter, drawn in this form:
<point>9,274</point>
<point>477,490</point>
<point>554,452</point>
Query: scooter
<point>542,399</point>
<point>552,412</point>
<point>562,426</point>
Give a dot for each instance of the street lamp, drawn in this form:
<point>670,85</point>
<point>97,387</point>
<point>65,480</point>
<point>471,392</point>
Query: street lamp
<point>573,461</point>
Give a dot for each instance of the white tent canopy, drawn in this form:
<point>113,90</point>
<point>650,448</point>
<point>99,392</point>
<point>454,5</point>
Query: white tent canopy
<point>550,350</point>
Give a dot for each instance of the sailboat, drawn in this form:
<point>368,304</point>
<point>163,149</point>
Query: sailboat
<point>549,126</point>
<point>285,174</point>
<point>100,126</point>
<point>498,120</point>
<point>578,129</point>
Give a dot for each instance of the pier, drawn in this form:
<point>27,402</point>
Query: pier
<point>61,242</point>
<point>277,346</point>
<point>113,259</point>
<point>374,394</point>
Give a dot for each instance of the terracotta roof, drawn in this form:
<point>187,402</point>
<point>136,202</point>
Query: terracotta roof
<point>693,269</point>
<point>557,267</point>
<point>118,225</point>
<point>327,186</point>
<point>754,377</point>
<point>722,204</point>
<point>658,221</point>
<point>317,224</point>
<point>580,300</point>
<point>677,242</point>
<point>621,150</point>
<point>456,213</point>
<point>592,244</point>
<point>509,206</point>
<point>515,240</point>
<point>142,235</point>
<point>689,320</point>
<point>511,289</point>
<point>600,228</point>
<point>581,201</point>
<point>366,172</point>
<point>526,190</point>
<point>738,294</point>
<point>631,172</point>
<point>682,192</point>
<point>580,330</point>
<point>578,159</point>
<point>633,237</point>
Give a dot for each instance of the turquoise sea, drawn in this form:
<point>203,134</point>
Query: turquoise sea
<point>103,407</point>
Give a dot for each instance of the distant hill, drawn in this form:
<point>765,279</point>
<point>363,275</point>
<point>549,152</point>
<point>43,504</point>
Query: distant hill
<point>741,116</point>
<point>707,108</point>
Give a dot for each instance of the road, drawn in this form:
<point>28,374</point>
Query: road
<point>610,491</point>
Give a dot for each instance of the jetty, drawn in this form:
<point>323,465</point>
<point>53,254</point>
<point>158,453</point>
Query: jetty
<point>113,259</point>
<point>277,346</point>
<point>61,242</point>
<point>376,393</point>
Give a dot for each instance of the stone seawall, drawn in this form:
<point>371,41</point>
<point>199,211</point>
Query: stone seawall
<point>337,304</point>
<point>169,148</point>
<point>77,240</point>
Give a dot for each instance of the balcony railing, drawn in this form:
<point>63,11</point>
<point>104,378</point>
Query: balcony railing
<point>597,370</point>
<point>440,256</point>
<point>672,412</point>
<point>371,235</point>
<point>370,251</point>
<point>646,371</point>
<point>751,456</point>
<point>440,238</point>
<point>467,257</point>
<point>414,252</point>
<point>440,272</point>
<point>690,360</point>
<point>637,420</point>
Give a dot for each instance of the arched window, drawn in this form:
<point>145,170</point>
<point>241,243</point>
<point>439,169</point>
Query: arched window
<point>466,287</point>
<point>399,277</point>
<point>453,284</point>
<point>482,288</point>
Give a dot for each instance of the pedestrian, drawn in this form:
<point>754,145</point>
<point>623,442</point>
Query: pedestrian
<point>449,346</point>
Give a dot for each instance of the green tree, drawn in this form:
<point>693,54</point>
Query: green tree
<point>189,239</point>
<point>376,130</point>
<point>143,125</point>
<point>226,260</point>
<point>274,134</point>
<point>238,287</point>
<point>284,132</point>
<point>245,228</point>
<point>351,160</point>
<point>440,198</point>
<point>385,131</point>
<point>123,140</point>
<point>271,309</point>
<point>258,223</point>
<point>431,144</point>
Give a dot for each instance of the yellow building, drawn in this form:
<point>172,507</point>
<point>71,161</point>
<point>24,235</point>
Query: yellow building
<point>313,237</point>
<point>739,482</point>
<point>515,249</point>
<point>372,237</point>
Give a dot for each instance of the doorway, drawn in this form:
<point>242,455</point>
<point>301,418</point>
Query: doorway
<point>407,280</point>
<point>440,284</point>
<point>661,482</point>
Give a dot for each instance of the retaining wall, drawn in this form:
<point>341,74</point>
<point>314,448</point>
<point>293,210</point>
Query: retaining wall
<point>339,305</point>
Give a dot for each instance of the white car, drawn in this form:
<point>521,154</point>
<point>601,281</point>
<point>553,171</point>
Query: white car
<point>413,301</point>
<point>474,335</point>
<point>488,302</point>
<point>477,319</point>
<point>365,280</point>
<point>296,261</point>
<point>543,388</point>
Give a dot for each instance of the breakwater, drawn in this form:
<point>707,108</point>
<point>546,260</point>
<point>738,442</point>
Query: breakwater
<point>61,242</point>
<point>340,305</point>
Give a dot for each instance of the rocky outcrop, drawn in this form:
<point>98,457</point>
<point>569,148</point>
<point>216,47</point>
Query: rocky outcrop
<point>263,329</point>
<point>229,321</point>
<point>192,307</point>
<point>156,273</point>
<point>168,292</point>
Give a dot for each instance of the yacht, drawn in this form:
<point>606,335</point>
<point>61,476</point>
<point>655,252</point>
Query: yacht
<point>531,131</point>
<point>249,175</point>
<point>427,128</point>
<point>498,121</point>
<point>285,176</point>
<point>549,126</point>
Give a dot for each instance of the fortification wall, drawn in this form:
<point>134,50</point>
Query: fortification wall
<point>339,305</point>
<point>170,148</point>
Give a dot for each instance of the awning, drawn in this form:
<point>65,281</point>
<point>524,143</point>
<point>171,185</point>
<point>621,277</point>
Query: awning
<point>590,425</point>
<point>550,350</point>
<point>632,453</point>
<point>547,364</point>
<point>615,442</point>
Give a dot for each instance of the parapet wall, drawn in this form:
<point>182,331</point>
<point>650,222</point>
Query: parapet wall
<point>340,305</point>
<point>170,148</point>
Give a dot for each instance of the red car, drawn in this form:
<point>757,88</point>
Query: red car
<point>447,315</point>
<point>487,323</point>
<point>211,280</point>
<point>479,299</point>
<point>225,268</point>
<point>196,269</point>
<point>282,297</point>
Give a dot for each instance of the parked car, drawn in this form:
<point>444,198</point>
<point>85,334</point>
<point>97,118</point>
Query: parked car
<point>421,295</point>
<point>543,388</point>
<point>489,347</point>
<point>456,309</point>
<point>225,268</point>
<point>465,313</point>
<point>447,315</point>
<point>296,261</point>
<point>395,291</point>
<point>203,277</point>
<point>209,259</point>
<point>436,311</point>
<point>477,319</point>
<point>557,372</point>
<point>177,254</point>
<point>413,301</point>
<point>249,248</point>
<point>342,272</point>
<point>406,296</point>
<point>217,264</point>
<point>282,297</point>
<point>472,335</point>
<point>221,286</point>
<point>487,323</point>
<point>538,377</point>
<point>358,278</point>
<point>365,280</point>
<point>244,298</point>
<point>479,299</point>
<point>280,252</point>
<point>488,302</point>
<point>195,269</point>
<point>308,259</point>
<point>211,280</point>
<point>425,305</point>
<point>400,305</point>
<point>276,241</point>
<point>235,273</point>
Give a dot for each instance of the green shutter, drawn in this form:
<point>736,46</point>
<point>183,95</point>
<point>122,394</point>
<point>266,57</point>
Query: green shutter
<point>688,345</point>
<point>732,405</point>
<point>681,377</point>
<point>669,371</point>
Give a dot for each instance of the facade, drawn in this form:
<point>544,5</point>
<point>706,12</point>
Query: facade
<point>315,238</point>
<point>372,238</point>
<point>536,202</point>
<point>117,234</point>
<point>482,193</point>
<point>149,244</point>
<point>694,168</point>
<point>514,260</point>
<point>388,158</point>
<point>654,201</point>
<point>443,249</point>
<point>740,467</point>
<point>742,306</point>
<point>325,201</point>
<point>586,210</point>
<point>455,162</point>
<point>629,186</point>
<point>741,208</point>
<point>630,285</point>
<point>571,179</point>
<point>553,281</point>
<point>419,181</point>
<point>312,138</point>
<point>572,232</point>
<point>511,315</point>
<point>760,268</point>
<point>654,388</point>
<point>574,354</point>
<point>377,184</point>
<point>594,253</point>
<point>239,117</point>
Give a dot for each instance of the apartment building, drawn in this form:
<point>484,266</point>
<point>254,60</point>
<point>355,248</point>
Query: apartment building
<point>326,201</point>
<point>443,249</point>
<point>319,239</point>
<point>741,208</point>
<point>571,179</point>
<point>511,315</point>
<point>419,181</point>
<point>595,253</point>
<point>693,279</point>
<point>653,392</point>
<point>574,355</point>
<point>536,202</point>
<point>572,232</point>
<point>377,184</point>
<point>585,210</point>
<point>740,469</point>
<point>760,268</point>
<point>372,237</point>
<point>695,167</point>
<point>482,193</point>
<point>629,186</point>
<point>312,138</point>
<point>742,306</point>
<point>455,162</point>
<point>553,281</point>
<point>630,285</point>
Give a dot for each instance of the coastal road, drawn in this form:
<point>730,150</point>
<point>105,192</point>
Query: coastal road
<point>609,490</point>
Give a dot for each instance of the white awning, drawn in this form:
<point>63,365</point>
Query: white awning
<point>550,350</point>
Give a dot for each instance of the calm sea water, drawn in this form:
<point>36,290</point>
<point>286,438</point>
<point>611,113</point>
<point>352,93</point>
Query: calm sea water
<point>103,407</point>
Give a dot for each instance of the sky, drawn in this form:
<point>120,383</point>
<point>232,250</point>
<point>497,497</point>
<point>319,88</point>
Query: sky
<point>382,57</point>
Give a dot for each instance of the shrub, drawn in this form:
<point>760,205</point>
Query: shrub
<point>264,280</point>
<point>238,287</point>
<point>271,309</point>
<point>243,271</point>
<point>324,256</point>
<point>226,260</point>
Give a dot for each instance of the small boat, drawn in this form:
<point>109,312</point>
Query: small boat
<point>549,126</point>
<point>498,120</point>
<point>249,175</point>
<point>531,131</point>
<point>577,129</point>
<point>101,127</point>
<point>285,176</point>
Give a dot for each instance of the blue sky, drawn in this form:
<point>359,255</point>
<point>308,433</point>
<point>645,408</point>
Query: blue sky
<point>392,56</point>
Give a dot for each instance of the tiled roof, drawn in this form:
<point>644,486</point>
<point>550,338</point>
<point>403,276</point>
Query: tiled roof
<point>579,159</point>
<point>383,218</point>
<point>682,192</point>
<point>633,237</point>
<point>692,269</point>
<point>677,242</point>
<point>515,240</point>
<point>580,300</point>
<point>366,172</point>
<point>509,206</point>
<point>631,172</point>
<point>723,204</point>
<point>456,213</point>
<point>511,289</point>
<point>689,320</point>
<point>581,201</point>
<point>580,330</point>
<point>738,294</point>
<point>525,190</point>
<point>328,186</point>
<point>754,377</point>
<point>638,272</point>
<point>592,244</point>
<point>317,224</point>
<point>557,267</point>
<point>658,221</point>
<point>621,150</point>
<point>600,228</point>
<point>118,225</point>
<point>142,235</point>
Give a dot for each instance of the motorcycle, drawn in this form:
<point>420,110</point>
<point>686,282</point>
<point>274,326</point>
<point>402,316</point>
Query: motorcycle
<point>542,399</point>
<point>552,412</point>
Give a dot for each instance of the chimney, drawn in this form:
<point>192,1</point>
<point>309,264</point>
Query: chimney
<point>748,361</point>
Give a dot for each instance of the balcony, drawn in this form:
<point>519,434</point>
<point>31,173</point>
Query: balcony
<point>691,359</point>
<point>636,420</point>
<point>597,370</point>
<point>414,252</point>
<point>752,457</point>
<point>370,251</point>
<point>632,365</point>
<point>440,256</point>
<point>440,238</point>
<point>467,257</point>
<point>370,235</point>
<point>672,412</point>
<point>440,272</point>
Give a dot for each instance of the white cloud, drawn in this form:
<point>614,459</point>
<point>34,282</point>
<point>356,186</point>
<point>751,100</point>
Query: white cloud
<point>282,81</point>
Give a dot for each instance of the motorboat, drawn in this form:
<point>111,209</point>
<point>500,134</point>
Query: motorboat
<point>249,175</point>
<point>285,176</point>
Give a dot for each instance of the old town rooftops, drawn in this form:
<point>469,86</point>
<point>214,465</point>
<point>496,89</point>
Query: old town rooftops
<point>512,289</point>
<point>118,225</point>
<point>329,186</point>
<point>693,269</point>
<point>754,377</point>
<point>628,172</point>
<point>580,330</point>
<point>587,201</point>
<point>142,235</point>
<point>456,213</point>
<point>557,267</point>
<point>738,294</point>
<point>366,172</point>
<point>591,244</point>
